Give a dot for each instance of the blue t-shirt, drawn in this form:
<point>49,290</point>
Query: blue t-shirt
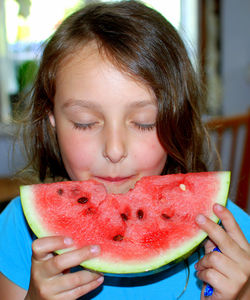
<point>15,263</point>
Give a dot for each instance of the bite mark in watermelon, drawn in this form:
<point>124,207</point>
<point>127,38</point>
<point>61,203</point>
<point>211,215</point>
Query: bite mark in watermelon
<point>142,230</point>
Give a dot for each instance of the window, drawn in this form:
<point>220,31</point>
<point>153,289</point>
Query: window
<point>25,24</point>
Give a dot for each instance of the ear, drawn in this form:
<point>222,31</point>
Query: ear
<point>52,119</point>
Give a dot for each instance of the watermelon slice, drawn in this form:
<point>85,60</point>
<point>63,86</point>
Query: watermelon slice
<point>140,231</point>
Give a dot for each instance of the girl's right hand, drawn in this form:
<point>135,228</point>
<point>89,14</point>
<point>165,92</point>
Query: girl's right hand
<point>48,277</point>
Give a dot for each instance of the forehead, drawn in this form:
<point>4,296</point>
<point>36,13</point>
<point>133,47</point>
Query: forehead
<point>93,53</point>
<point>82,55</point>
<point>90,68</point>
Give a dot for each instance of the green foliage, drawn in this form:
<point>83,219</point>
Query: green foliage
<point>26,74</point>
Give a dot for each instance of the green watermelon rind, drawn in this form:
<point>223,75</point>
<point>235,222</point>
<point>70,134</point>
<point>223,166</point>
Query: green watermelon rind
<point>26,195</point>
<point>132,267</point>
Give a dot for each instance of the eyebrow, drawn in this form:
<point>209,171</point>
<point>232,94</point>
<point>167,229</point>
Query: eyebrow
<point>80,103</point>
<point>90,105</point>
<point>142,103</point>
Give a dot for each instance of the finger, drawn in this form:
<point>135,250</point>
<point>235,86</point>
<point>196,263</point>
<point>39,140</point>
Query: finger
<point>223,287</point>
<point>81,290</point>
<point>209,246</point>
<point>231,226</point>
<point>219,262</point>
<point>43,247</point>
<point>59,263</point>
<point>214,278</point>
<point>73,280</point>
<point>218,235</point>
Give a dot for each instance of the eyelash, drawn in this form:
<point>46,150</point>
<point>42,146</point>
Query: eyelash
<point>142,127</point>
<point>83,126</point>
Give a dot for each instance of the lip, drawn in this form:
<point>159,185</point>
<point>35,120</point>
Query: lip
<point>114,179</point>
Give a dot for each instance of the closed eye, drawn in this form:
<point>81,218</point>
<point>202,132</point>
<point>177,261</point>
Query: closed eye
<point>144,126</point>
<point>83,126</point>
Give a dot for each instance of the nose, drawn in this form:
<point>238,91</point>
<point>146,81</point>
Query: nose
<point>115,145</point>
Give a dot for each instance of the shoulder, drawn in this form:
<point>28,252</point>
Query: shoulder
<point>14,205</point>
<point>12,217</point>
<point>15,244</point>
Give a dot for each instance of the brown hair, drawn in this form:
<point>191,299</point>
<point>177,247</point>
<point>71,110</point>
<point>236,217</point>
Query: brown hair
<point>142,43</point>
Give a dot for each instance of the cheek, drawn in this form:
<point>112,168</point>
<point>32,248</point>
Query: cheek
<point>77,152</point>
<point>151,155</point>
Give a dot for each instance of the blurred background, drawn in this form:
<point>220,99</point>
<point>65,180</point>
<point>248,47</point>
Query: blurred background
<point>216,33</point>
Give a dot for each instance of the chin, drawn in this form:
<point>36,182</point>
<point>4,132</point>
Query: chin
<point>115,189</point>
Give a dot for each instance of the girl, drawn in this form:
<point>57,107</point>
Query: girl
<point>116,99</point>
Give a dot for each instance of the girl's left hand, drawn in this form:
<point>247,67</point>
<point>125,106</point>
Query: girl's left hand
<point>227,272</point>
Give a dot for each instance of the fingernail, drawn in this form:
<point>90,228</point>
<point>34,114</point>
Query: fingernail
<point>200,219</point>
<point>95,249</point>
<point>218,207</point>
<point>68,241</point>
<point>100,279</point>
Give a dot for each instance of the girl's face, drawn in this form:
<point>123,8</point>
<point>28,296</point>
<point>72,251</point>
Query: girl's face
<point>105,123</point>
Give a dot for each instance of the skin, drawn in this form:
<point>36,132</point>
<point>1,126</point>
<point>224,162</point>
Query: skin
<point>227,272</point>
<point>109,119</point>
<point>105,123</point>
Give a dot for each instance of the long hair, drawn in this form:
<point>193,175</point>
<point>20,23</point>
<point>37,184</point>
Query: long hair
<point>141,42</point>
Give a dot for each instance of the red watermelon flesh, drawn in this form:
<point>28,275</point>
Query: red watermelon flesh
<point>149,226</point>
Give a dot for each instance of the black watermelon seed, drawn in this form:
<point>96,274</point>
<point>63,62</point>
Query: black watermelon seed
<point>60,191</point>
<point>140,214</point>
<point>118,238</point>
<point>83,200</point>
<point>124,216</point>
<point>165,216</point>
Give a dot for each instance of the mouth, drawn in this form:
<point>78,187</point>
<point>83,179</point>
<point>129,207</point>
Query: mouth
<point>118,184</point>
<point>114,179</point>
